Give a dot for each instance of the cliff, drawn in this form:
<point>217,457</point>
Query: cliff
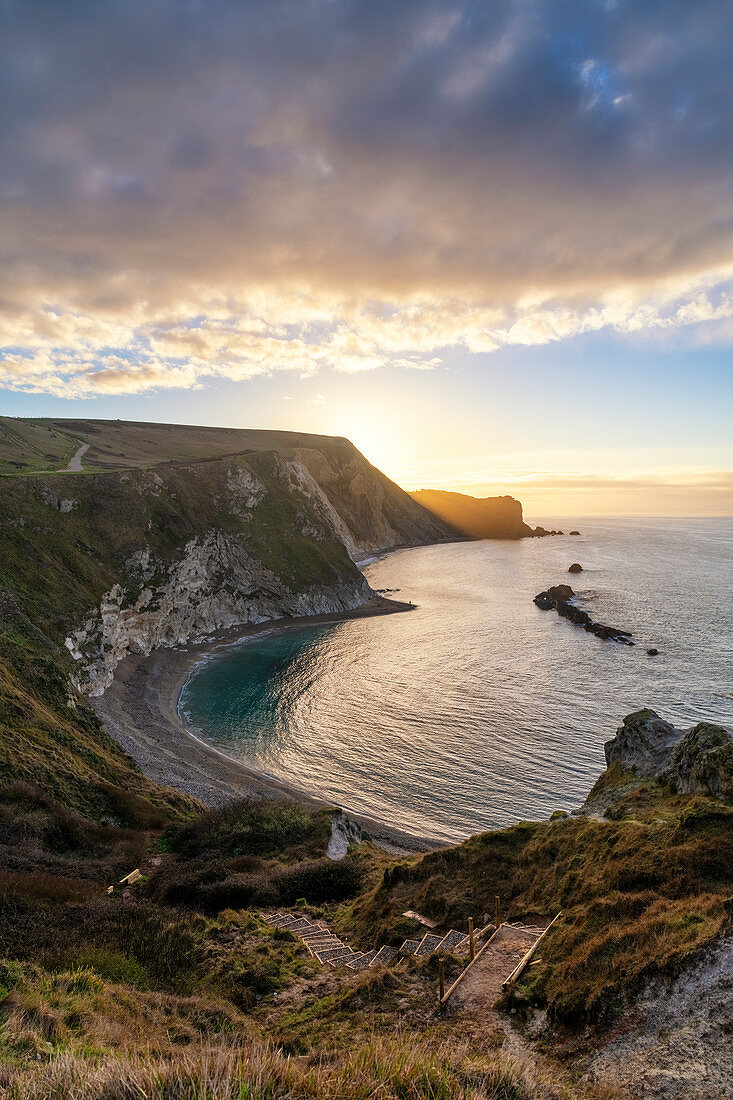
<point>478,517</point>
<point>127,556</point>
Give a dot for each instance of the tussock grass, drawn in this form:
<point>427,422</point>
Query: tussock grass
<point>256,854</point>
<point>401,1069</point>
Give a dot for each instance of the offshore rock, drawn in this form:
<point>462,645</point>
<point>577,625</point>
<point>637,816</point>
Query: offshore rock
<point>560,597</point>
<point>576,567</point>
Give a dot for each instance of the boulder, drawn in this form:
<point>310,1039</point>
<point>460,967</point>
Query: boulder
<point>702,762</point>
<point>576,567</point>
<point>558,594</point>
<point>645,742</point>
<point>575,532</point>
<point>652,652</point>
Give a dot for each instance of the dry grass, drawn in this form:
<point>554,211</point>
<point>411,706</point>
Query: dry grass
<point>400,1069</point>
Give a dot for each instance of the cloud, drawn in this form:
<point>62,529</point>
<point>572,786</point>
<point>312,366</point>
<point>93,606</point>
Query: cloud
<point>226,190</point>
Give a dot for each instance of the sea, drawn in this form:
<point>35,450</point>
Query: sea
<point>476,710</point>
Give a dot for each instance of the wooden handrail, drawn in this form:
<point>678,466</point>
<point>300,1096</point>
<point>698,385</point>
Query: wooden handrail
<point>522,965</point>
<point>463,973</point>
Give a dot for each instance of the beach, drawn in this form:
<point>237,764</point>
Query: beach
<point>140,710</point>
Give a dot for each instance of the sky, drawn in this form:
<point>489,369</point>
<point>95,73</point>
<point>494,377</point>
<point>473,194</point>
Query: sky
<point>491,243</point>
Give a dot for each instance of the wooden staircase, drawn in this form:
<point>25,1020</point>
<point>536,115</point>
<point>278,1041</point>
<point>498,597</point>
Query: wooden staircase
<point>329,950</point>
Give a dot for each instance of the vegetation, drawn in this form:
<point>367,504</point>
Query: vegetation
<point>640,891</point>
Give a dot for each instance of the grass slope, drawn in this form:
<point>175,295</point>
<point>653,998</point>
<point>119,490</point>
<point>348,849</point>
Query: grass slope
<point>641,891</point>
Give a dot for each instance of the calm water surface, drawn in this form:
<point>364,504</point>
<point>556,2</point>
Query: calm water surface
<point>477,709</point>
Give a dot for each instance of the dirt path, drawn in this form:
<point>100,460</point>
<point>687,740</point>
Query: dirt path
<point>481,988</point>
<point>475,1000</point>
<point>74,466</point>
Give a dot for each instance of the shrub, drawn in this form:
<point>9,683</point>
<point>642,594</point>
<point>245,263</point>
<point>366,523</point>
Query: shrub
<point>248,828</point>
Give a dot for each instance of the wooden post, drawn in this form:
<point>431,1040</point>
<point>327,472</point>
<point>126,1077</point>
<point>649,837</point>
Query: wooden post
<point>497,910</point>
<point>441,981</point>
<point>471,945</point>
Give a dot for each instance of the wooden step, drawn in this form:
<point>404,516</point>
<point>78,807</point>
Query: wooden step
<point>452,940</point>
<point>361,962</point>
<point>298,926</point>
<point>384,955</point>
<point>324,945</point>
<point>428,944</point>
<point>333,954</point>
<point>409,947</point>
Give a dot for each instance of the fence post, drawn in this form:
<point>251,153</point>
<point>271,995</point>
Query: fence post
<point>497,910</point>
<point>471,945</point>
<point>441,981</point>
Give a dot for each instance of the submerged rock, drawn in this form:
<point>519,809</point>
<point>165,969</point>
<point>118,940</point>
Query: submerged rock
<point>652,652</point>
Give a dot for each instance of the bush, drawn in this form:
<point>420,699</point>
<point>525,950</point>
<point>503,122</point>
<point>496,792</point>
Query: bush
<point>260,828</point>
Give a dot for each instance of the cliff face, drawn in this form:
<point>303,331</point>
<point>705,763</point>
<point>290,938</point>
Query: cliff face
<point>479,517</point>
<point>370,512</point>
<point>128,560</point>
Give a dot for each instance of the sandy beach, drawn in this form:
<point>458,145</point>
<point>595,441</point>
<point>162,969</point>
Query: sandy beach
<point>140,710</point>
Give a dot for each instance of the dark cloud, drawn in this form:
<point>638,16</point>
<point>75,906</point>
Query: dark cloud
<point>164,151</point>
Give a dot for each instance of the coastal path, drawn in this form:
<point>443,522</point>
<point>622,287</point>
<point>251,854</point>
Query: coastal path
<point>483,981</point>
<point>74,466</point>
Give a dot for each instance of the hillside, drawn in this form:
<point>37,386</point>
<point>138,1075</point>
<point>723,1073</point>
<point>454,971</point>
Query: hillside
<point>477,517</point>
<point>134,554</point>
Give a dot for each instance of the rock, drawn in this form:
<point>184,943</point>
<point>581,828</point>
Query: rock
<point>560,596</point>
<point>575,568</point>
<point>344,833</point>
<point>699,761</point>
<point>644,742</point>
<point>575,532</point>
<point>702,762</point>
<point>652,652</point>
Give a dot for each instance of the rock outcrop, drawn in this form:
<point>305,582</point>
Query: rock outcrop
<point>698,761</point>
<point>703,762</point>
<point>560,597</point>
<point>644,742</point>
